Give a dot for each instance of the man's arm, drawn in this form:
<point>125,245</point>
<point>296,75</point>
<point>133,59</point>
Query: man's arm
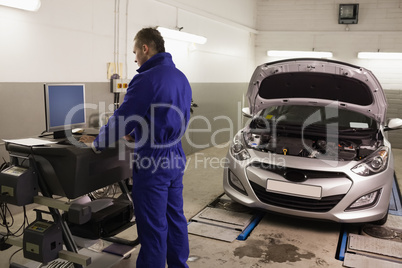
<point>125,119</point>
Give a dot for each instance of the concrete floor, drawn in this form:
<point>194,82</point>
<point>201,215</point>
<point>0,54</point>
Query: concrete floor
<point>277,241</point>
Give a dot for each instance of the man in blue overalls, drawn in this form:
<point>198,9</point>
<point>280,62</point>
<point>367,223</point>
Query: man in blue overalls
<point>155,113</point>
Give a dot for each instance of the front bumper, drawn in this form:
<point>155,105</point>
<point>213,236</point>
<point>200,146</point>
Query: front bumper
<point>340,187</point>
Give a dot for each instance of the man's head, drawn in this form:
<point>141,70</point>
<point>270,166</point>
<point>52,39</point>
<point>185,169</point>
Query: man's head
<point>147,43</point>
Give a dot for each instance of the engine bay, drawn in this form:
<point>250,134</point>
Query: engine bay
<point>338,147</point>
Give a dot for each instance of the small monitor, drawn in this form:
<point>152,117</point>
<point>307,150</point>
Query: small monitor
<point>64,108</point>
<point>348,13</point>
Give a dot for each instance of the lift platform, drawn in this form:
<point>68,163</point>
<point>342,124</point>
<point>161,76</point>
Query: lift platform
<point>225,220</point>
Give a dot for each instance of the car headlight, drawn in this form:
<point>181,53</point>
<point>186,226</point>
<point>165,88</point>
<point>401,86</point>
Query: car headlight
<point>238,150</point>
<point>373,164</point>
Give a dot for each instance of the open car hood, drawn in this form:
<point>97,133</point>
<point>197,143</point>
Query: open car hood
<point>317,82</point>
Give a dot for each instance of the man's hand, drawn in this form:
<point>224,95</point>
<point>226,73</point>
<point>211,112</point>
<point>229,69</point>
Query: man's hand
<point>87,139</point>
<point>129,138</point>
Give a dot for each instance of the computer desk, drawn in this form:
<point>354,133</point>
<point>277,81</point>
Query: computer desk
<point>73,170</point>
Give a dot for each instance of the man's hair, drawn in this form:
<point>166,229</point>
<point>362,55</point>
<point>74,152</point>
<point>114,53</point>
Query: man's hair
<point>150,37</point>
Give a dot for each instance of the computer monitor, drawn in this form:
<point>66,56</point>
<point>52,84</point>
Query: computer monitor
<point>64,108</point>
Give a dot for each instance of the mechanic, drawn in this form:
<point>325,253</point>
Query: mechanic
<point>155,112</point>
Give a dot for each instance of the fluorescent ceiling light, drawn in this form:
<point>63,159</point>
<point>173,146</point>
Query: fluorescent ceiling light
<point>380,55</point>
<point>182,36</point>
<point>305,54</point>
<point>30,5</point>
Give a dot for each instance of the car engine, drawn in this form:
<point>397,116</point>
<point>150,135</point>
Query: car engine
<point>312,146</point>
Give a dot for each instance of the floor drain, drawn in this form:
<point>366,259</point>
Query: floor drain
<point>382,232</point>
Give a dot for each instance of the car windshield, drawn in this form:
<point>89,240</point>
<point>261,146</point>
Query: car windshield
<point>315,117</point>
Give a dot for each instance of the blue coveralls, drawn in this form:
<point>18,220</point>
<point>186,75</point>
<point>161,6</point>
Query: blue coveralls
<point>155,112</point>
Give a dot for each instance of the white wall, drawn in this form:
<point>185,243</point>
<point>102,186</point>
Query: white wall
<point>72,40</point>
<point>308,24</point>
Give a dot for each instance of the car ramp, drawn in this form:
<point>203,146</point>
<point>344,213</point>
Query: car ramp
<point>225,220</point>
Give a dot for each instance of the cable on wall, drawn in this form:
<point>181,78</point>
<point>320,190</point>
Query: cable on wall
<point>116,38</point>
<point>126,48</point>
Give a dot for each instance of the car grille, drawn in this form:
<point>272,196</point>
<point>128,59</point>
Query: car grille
<point>292,202</point>
<point>310,174</point>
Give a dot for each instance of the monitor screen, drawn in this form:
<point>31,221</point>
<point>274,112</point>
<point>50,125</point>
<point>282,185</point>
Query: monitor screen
<point>65,106</point>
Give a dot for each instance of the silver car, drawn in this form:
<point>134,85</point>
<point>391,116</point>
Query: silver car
<point>315,145</point>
